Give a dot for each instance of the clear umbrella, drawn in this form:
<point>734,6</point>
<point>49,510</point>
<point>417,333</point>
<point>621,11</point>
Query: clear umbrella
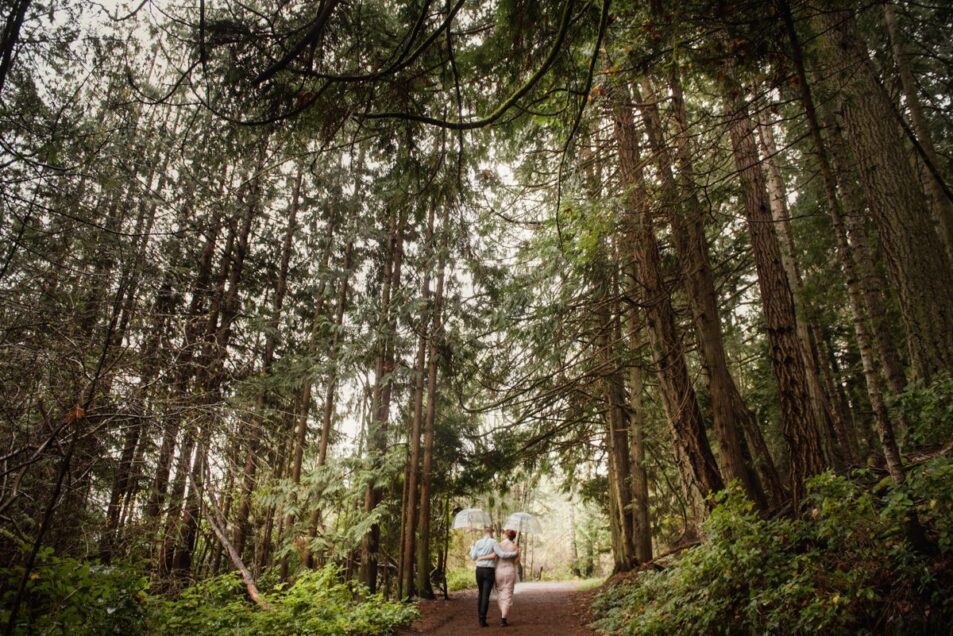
<point>522,522</point>
<point>471,519</point>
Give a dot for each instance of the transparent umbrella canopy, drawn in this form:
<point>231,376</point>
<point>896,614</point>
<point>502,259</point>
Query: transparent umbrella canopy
<point>471,519</point>
<point>522,522</point>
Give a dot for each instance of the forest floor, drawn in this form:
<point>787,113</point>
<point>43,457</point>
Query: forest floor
<point>539,608</point>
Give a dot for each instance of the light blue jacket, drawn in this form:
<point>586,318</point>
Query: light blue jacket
<point>485,547</point>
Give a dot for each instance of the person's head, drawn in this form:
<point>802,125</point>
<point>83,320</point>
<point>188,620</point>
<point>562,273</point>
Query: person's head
<point>510,534</point>
<point>488,529</point>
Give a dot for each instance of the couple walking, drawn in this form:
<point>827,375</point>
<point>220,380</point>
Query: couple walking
<point>495,564</point>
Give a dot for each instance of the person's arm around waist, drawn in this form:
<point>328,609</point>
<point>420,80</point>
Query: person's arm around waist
<point>504,554</point>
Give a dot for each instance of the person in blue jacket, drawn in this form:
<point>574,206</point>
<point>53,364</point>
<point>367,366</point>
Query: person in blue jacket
<point>485,552</point>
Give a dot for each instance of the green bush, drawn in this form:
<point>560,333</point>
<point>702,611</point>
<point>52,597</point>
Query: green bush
<point>69,596</point>
<point>846,567</point>
<point>317,604</point>
<point>461,580</point>
<point>928,410</point>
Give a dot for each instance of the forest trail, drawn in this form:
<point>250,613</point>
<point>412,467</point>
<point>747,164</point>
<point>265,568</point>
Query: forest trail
<point>539,608</point>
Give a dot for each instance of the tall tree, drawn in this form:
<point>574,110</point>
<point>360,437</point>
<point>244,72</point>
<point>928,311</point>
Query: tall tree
<point>918,266</point>
<point>681,404</point>
<point>941,204</point>
<point>686,219</point>
<point>798,420</point>
<point>866,305</point>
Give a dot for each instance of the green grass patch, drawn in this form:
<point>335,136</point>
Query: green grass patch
<point>585,585</point>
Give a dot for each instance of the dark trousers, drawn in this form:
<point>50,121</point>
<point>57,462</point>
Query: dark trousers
<point>485,579</point>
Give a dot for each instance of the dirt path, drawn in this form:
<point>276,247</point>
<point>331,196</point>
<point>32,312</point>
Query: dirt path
<point>539,609</point>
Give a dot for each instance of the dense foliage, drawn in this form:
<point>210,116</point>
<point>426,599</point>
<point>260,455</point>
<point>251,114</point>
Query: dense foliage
<point>286,283</point>
<point>847,567</point>
<point>929,410</point>
<point>72,596</point>
<point>68,596</point>
<point>317,604</point>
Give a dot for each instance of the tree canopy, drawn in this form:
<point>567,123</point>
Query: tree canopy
<point>287,283</point>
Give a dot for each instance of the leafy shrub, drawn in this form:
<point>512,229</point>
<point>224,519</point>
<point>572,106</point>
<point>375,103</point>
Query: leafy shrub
<point>929,412</point>
<point>847,567</point>
<point>934,483</point>
<point>69,596</point>
<point>317,604</point>
<point>462,579</point>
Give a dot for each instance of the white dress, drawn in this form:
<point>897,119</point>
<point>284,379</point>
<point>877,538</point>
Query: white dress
<point>505,578</point>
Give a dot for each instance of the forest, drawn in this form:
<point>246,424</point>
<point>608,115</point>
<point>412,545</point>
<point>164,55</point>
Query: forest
<point>287,284</point>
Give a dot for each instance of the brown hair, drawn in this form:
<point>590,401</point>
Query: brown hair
<point>510,534</point>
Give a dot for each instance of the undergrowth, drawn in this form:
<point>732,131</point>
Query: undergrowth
<point>317,604</point>
<point>845,567</point>
<point>461,579</point>
<point>68,596</point>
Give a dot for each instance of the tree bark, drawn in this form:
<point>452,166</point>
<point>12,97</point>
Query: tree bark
<point>852,259</point>
<point>873,287</point>
<point>637,416</point>
<point>617,445</point>
<point>681,405</point>
<point>875,341</point>
<point>11,35</point>
<point>941,205</point>
<point>844,444</point>
<point>686,218</point>
<point>798,423</point>
<point>916,258</point>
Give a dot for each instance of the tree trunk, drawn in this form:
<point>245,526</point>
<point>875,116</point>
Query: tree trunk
<point>917,263</point>
<point>424,588</point>
<point>405,584</point>
<point>617,446</point>
<point>11,34</point>
<point>223,311</point>
<point>217,523</point>
<point>681,406</point>
<point>573,547</point>
<point>641,525</point>
<point>941,205</point>
<point>844,444</point>
<point>185,369</point>
<point>798,422</point>
<point>848,258</point>
<point>686,217</point>
<point>866,289</point>
<point>164,304</point>
<point>377,430</point>
<point>265,541</point>
<point>271,341</point>
<point>330,389</point>
<point>873,288</point>
<point>304,399</point>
